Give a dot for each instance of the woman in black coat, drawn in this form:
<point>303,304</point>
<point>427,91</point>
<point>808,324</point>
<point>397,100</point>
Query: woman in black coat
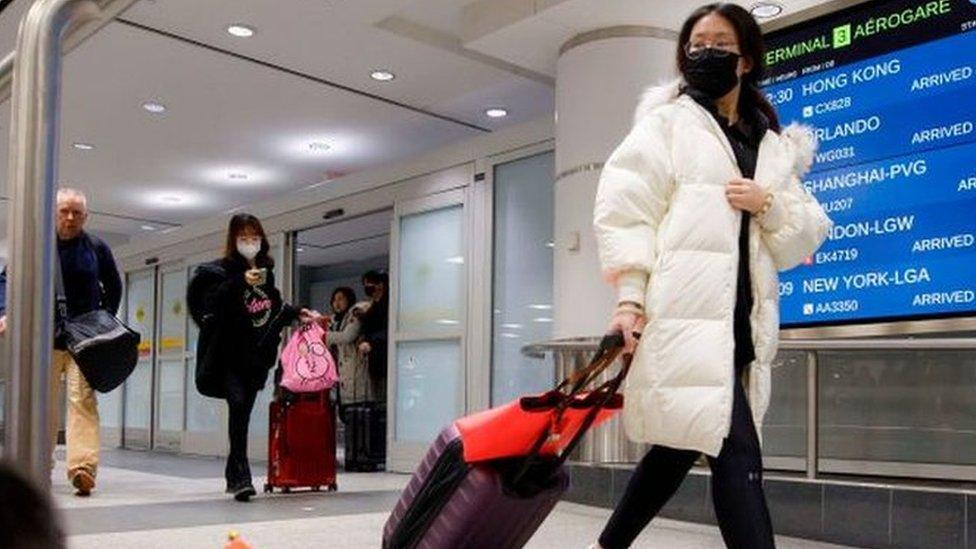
<point>374,330</point>
<point>241,314</point>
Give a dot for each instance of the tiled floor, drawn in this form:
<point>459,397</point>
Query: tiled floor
<point>157,501</point>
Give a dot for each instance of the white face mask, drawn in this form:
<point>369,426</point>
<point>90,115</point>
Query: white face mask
<point>248,249</point>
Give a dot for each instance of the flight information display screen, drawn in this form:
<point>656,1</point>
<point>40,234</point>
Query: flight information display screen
<point>890,88</point>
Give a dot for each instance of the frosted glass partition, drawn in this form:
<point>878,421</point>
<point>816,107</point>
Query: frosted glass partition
<point>110,408</point>
<point>429,382</point>
<point>141,316</point>
<point>431,272</point>
<point>172,344</point>
<point>203,414</point>
<point>522,274</point>
<point>431,297</point>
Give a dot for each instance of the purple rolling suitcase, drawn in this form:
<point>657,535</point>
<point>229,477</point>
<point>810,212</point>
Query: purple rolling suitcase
<point>498,504</point>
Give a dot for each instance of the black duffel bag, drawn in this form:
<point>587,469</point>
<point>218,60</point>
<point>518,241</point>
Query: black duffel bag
<point>105,349</point>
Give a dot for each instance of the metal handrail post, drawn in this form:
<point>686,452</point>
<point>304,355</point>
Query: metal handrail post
<point>813,414</point>
<point>33,174</point>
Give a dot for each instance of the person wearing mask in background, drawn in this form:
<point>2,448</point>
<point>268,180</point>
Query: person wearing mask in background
<point>374,331</point>
<point>241,314</point>
<point>91,281</point>
<point>343,332</point>
<point>695,212</point>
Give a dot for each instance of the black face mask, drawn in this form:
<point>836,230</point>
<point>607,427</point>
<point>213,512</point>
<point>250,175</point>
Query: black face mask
<point>712,72</point>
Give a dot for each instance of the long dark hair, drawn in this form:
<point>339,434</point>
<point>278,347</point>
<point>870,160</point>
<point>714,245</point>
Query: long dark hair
<point>238,224</point>
<point>751,45</point>
<point>350,296</point>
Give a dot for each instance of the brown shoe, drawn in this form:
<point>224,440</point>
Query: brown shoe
<point>83,482</point>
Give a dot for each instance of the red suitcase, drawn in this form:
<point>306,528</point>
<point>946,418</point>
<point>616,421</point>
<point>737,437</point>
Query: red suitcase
<point>497,504</point>
<point>302,443</point>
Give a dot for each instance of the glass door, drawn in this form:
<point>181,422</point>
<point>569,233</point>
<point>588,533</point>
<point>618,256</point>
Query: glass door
<point>141,317</point>
<point>206,418</point>
<point>170,358</point>
<point>429,307</point>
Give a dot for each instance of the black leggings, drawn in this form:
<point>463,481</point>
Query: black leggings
<point>737,492</point>
<point>240,402</point>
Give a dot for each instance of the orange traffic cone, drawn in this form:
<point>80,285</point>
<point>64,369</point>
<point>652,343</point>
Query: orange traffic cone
<point>234,541</point>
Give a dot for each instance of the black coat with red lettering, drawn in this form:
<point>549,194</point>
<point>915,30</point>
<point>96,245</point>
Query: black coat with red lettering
<point>240,325</point>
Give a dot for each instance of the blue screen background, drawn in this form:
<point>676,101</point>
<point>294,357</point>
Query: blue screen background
<point>896,171</point>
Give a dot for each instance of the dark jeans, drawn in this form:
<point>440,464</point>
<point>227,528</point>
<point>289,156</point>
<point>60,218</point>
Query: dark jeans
<point>240,402</point>
<point>737,493</point>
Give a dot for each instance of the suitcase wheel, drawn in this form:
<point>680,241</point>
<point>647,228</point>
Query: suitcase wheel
<point>333,487</point>
<point>286,490</point>
<point>316,488</point>
<point>268,489</point>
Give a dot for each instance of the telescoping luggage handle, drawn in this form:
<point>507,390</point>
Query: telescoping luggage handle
<point>610,348</point>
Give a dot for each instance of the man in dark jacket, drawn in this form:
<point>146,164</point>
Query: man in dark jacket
<point>91,281</point>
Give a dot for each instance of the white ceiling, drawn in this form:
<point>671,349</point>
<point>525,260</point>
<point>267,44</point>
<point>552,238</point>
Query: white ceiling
<point>253,105</point>
<point>530,33</point>
<point>345,241</point>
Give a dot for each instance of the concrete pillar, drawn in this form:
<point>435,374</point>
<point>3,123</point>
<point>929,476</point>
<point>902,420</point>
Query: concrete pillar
<point>600,77</point>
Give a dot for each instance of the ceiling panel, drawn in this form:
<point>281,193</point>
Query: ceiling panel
<point>223,117</point>
<point>311,256</point>
<point>338,41</point>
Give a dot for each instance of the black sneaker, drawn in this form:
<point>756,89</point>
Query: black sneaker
<point>245,493</point>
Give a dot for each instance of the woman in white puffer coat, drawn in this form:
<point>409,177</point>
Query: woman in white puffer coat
<point>697,210</point>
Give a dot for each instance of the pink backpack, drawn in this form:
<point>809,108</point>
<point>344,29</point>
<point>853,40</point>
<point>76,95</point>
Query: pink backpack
<point>306,363</point>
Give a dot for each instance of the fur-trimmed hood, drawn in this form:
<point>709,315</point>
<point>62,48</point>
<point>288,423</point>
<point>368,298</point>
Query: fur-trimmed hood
<point>798,138</point>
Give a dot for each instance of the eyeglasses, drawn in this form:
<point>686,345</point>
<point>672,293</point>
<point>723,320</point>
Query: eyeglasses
<point>697,50</point>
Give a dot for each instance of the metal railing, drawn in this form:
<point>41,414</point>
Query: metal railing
<point>608,443</point>
<point>31,77</point>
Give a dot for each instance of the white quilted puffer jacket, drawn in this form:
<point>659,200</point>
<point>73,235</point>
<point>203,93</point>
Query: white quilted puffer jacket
<point>668,239</point>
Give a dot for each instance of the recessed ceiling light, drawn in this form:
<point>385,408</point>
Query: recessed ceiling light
<point>241,31</point>
<point>171,199</point>
<point>148,228</point>
<point>154,107</point>
<point>300,250</point>
<point>83,146</point>
<point>319,146</point>
<point>496,113</point>
<point>382,76</point>
<point>765,10</point>
<point>237,176</point>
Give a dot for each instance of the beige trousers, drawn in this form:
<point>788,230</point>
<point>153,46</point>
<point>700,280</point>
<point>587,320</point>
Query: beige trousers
<point>82,422</point>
